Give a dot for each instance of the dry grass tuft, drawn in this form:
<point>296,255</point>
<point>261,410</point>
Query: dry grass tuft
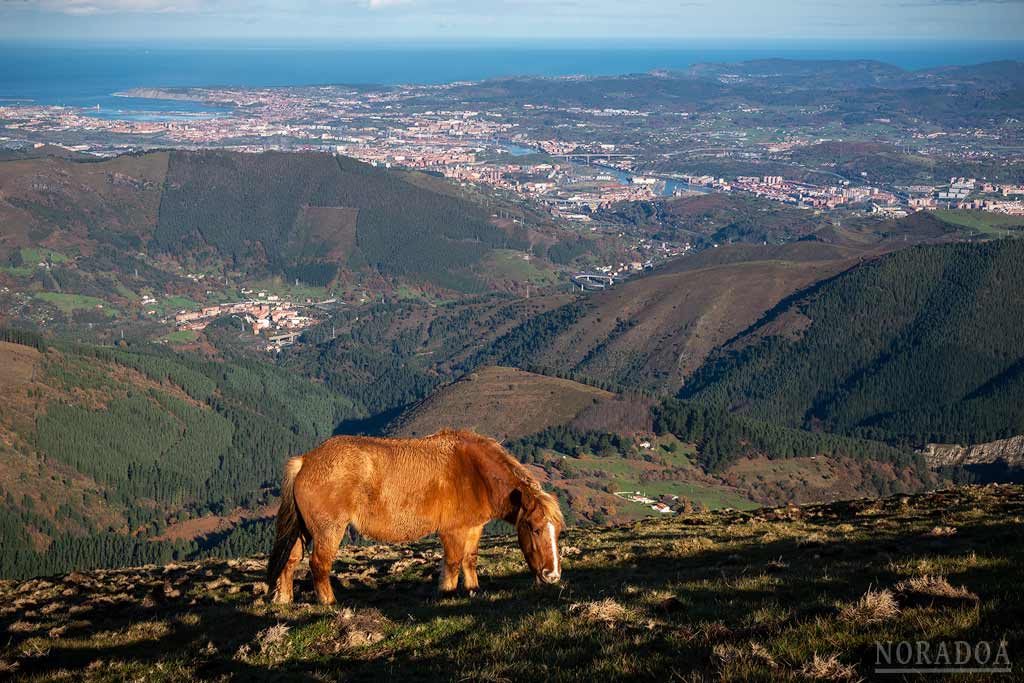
<point>936,586</point>
<point>943,531</point>
<point>872,607</point>
<point>269,642</point>
<point>359,628</point>
<point>748,653</point>
<point>605,611</point>
<point>35,649</point>
<point>272,637</point>
<point>21,626</point>
<point>828,669</point>
<point>812,539</point>
<point>692,545</point>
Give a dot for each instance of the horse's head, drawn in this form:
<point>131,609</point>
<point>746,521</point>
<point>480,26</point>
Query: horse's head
<point>539,523</point>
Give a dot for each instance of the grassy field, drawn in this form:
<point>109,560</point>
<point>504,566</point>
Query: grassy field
<point>787,594</point>
<point>500,402</point>
<point>289,291</point>
<point>995,224</point>
<point>69,303</point>
<point>509,264</point>
<point>36,255</point>
<point>625,475</point>
<point>173,304</point>
<point>30,260</point>
<point>182,336</point>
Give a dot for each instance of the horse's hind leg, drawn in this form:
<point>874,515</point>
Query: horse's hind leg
<point>325,548</point>
<point>283,595</point>
<point>469,556</point>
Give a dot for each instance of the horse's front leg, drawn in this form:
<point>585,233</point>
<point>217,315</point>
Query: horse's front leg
<point>471,547</point>
<point>454,545</point>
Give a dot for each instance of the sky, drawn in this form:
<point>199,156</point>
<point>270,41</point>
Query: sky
<point>453,20</point>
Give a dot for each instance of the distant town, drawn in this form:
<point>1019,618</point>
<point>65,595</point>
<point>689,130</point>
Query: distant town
<point>515,149</point>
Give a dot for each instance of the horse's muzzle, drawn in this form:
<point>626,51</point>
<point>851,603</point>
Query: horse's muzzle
<point>550,577</point>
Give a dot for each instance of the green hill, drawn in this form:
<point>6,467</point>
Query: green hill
<point>271,207</point>
<point>786,594</point>
<point>303,215</point>
<point>924,345</point>
<point>102,449</point>
<point>652,331</point>
<point>500,402</point>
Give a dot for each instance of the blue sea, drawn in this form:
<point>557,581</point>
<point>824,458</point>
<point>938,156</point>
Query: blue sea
<point>88,75</point>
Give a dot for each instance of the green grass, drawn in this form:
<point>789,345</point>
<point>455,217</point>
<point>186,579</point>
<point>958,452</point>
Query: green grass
<point>625,476</point>
<point>120,288</point>
<point>173,304</point>
<point>288,290</point>
<point>509,264</point>
<point>995,224</point>
<point>18,271</point>
<point>730,596</point>
<point>69,303</point>
<point>182,336</point>
<point>36,255</point>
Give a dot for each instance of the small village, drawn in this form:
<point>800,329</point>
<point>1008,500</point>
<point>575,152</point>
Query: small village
<point>279,321</point>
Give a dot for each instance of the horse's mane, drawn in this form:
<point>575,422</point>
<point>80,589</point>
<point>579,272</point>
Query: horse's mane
<point>519,472</point>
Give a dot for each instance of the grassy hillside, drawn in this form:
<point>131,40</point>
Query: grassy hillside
<point>787,594</point>
<point>77,205</point>
<point>986,222</point>
<point>653,331</point>
<point>925,345</point>
<point>500,402</point>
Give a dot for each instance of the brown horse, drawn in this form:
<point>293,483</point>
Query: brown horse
<point>394,490</point>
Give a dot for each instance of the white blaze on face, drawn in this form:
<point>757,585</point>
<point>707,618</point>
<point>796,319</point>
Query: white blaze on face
<point>554,550</point>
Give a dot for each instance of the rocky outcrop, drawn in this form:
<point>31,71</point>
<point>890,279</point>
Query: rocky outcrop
<point>1009,451</point>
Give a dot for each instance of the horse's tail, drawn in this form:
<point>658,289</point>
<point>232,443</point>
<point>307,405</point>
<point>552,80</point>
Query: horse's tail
<point>290,527</point>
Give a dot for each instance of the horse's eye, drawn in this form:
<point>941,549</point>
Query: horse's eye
<point>537,531</point>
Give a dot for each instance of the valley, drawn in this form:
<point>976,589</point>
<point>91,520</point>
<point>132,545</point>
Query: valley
<point>147,306</point>
<point>176,322</point>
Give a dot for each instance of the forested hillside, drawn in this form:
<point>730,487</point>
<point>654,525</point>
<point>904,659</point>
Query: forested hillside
<point>111,224</point>
<point>924,345</point>
<point>115,456</point>
<point>263,208</point>
<point>101,449</point>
